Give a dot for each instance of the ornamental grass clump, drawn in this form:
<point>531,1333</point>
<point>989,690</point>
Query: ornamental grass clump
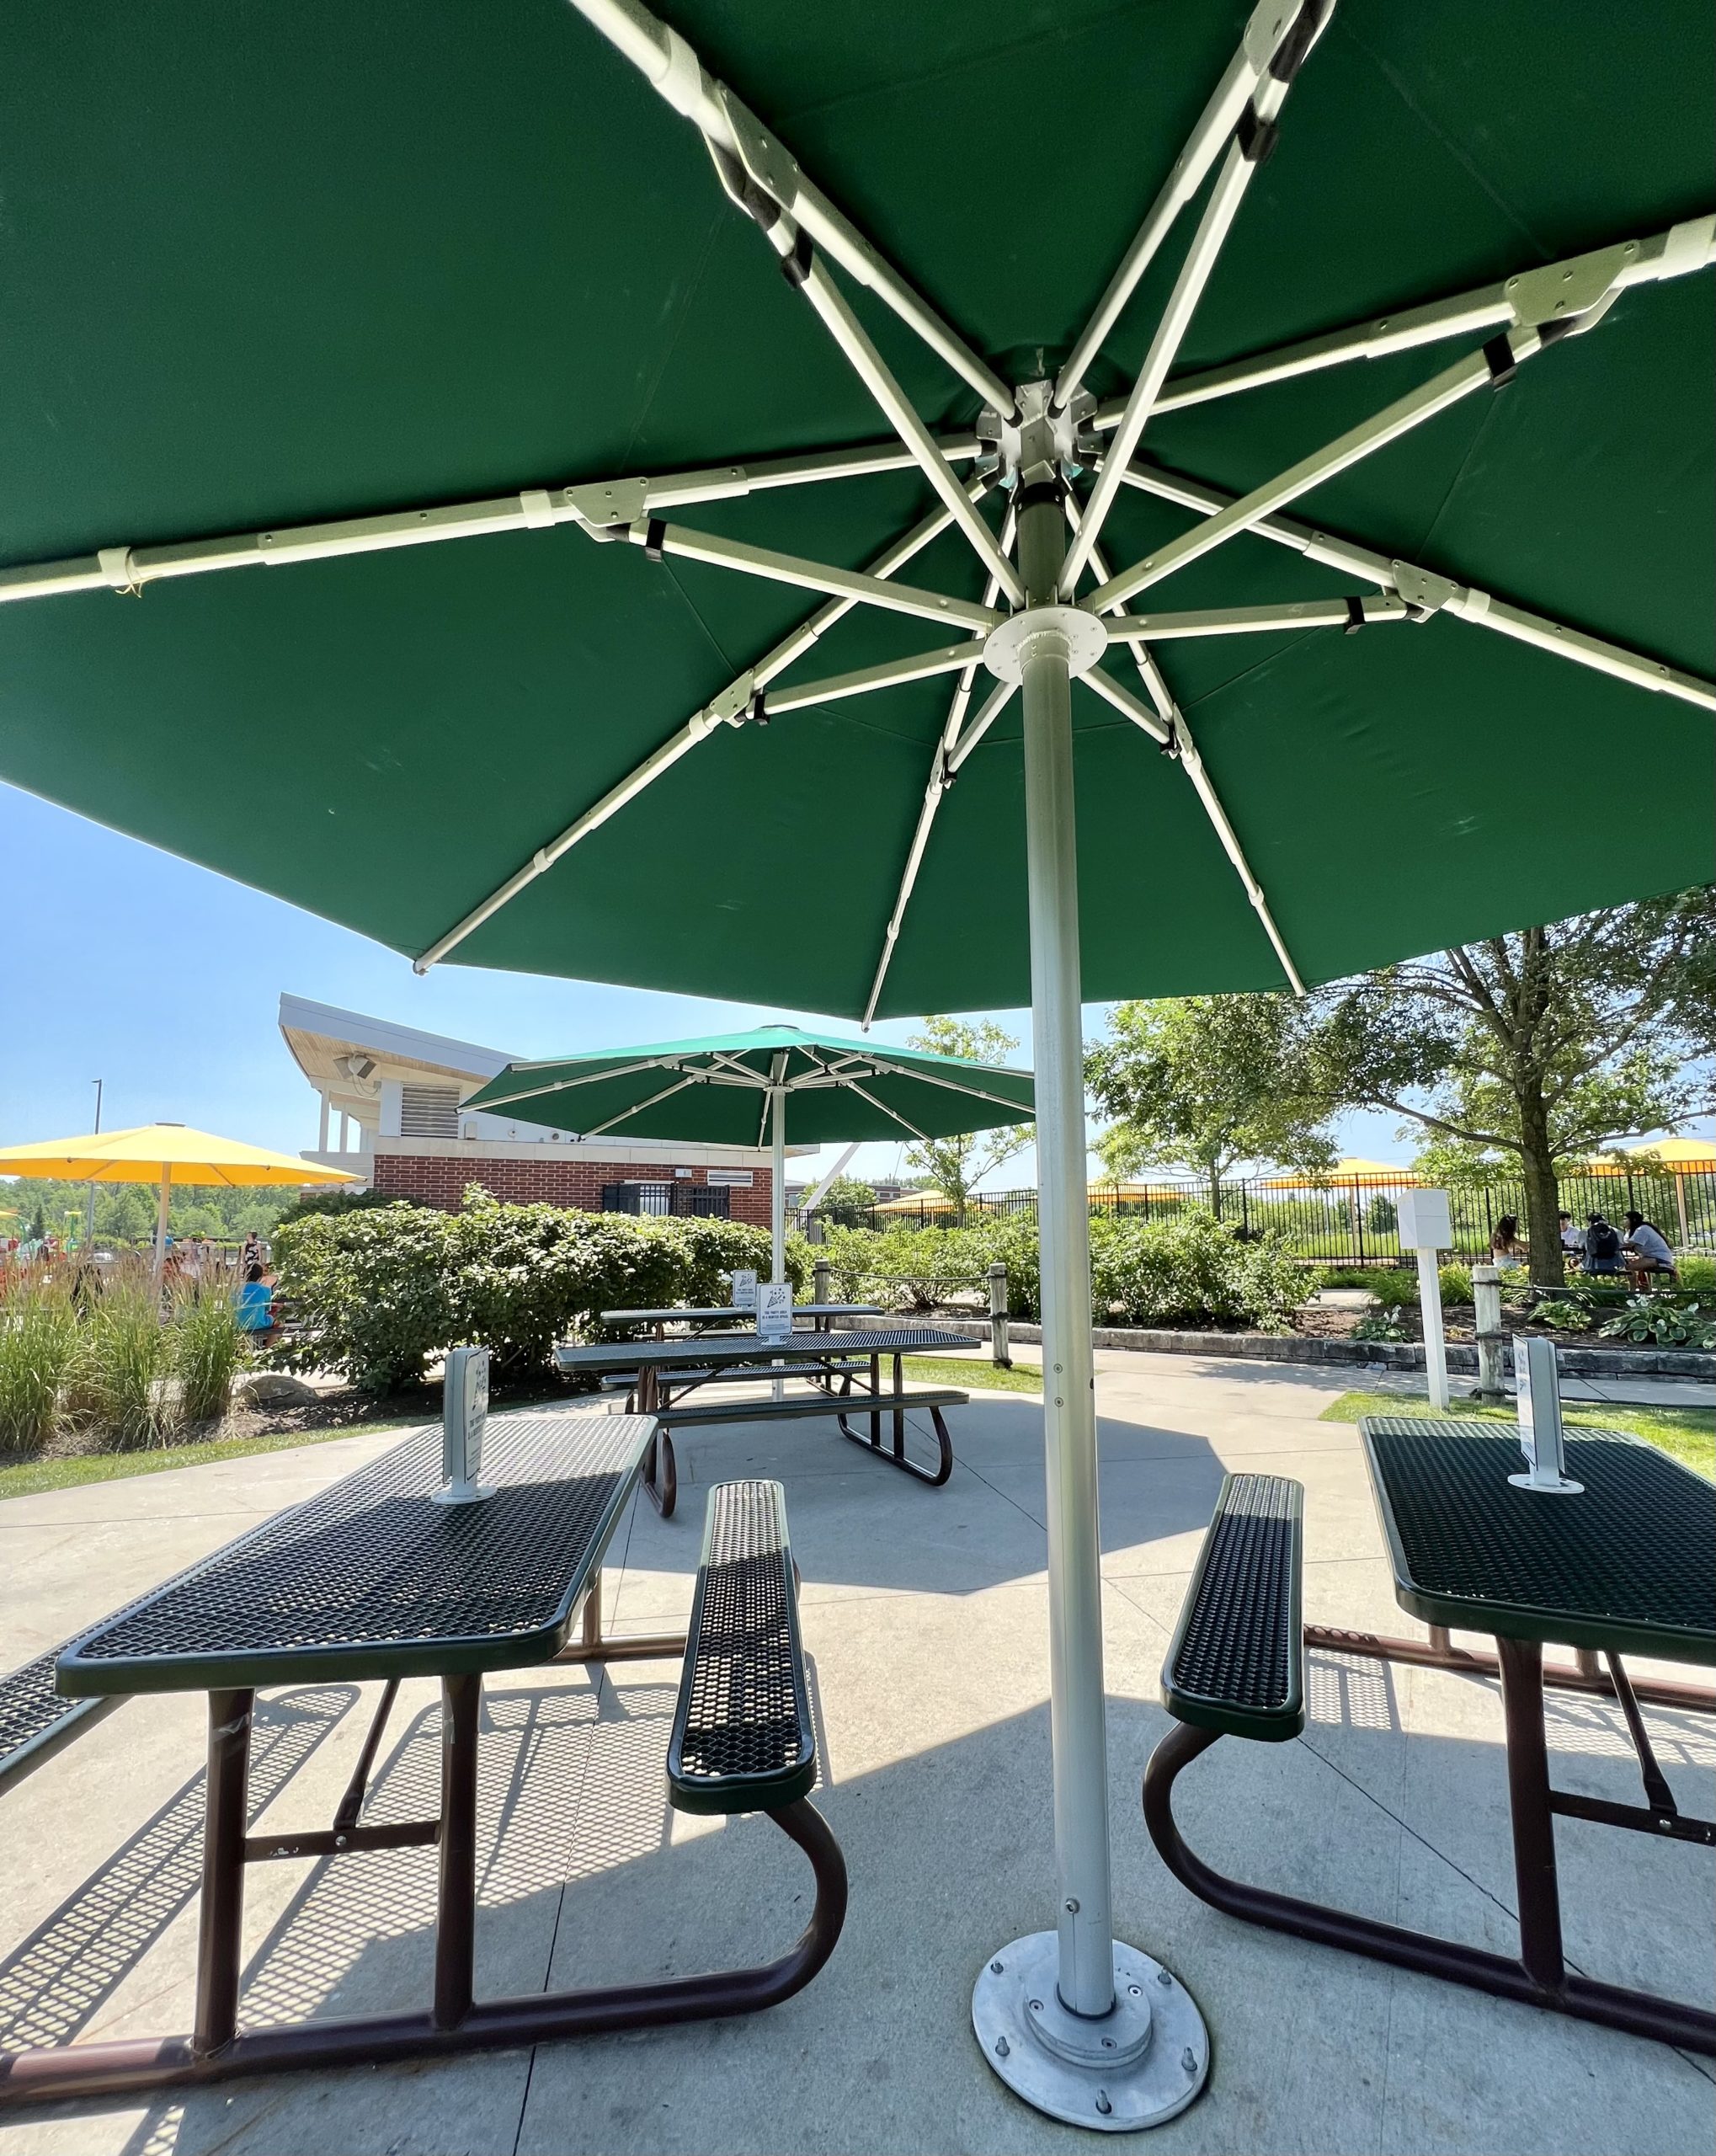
<point>206,1351</point>
<point>37,1347</point>
<point>120,1380</point>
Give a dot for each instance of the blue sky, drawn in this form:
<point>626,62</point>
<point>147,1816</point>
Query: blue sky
<point>163,980</point>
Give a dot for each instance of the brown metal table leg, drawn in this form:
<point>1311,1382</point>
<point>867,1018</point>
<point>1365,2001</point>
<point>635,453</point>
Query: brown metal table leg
<point>899,1413</point>
<point>220,1920</point>
<point>1439,1652</point>
<point>1534,1823</point>
<point>875,1393</point>
<point>455,1908</point>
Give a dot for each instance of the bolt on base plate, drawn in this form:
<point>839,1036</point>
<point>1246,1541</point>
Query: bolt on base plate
<point>1139,2065</point>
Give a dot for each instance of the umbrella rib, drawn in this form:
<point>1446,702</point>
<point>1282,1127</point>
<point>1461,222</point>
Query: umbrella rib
<point>882,1108</point>
<point>729,708</point>
<point>1266,33</point>
<point>773,177</point>
<point>911,1070</point>
<point>681,541</point>
<point>1255,136</point>
<point>1167,726</point>
<point>1476,371</point>
<point>638,1107</point>
<point>1677,253</point>
<point>944,764</point>
<point>599,503</point>
<point>1252,620</point>
<point>1425,591</point>
<point>921,666</point>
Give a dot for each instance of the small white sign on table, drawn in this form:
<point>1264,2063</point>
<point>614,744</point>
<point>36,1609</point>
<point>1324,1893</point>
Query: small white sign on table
<point>463,1412</point>
<point>774,1310</point>
<point>1540,1418</point>
<point>745,1290</point>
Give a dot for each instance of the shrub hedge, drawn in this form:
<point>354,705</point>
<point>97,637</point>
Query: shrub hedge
<point>376,1294</point>
<point>1190,1269</point>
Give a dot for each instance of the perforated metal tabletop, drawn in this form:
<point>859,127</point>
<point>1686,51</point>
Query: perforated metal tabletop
<point>1629,1566</point>
<point>732,1349</point>
<point>373,1578</point>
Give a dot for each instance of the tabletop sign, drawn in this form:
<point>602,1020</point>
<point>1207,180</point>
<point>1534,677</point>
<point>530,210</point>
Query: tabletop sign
<point>745,1290</point>
<point>775,1309</point>
<point>464,1411</point>
<point>1540,1418</point>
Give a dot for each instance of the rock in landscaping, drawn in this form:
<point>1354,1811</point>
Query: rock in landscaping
<point>273,1389</point>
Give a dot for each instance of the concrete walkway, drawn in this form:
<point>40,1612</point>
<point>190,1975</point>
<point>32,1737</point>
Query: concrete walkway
<point>925,1617</point>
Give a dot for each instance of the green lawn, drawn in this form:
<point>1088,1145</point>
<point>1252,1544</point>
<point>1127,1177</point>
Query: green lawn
<point>972,1374</point>
<point>28,1477</point>
<point>1689,1434</point>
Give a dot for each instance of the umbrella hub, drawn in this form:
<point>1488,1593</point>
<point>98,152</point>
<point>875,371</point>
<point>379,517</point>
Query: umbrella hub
<point>1066,633</point>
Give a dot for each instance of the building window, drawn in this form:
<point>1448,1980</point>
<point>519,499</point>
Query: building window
<point>637,1198</point>
<point>428,1112</point>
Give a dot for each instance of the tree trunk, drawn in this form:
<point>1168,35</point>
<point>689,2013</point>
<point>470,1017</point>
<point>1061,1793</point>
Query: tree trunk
<point>1542,1194</point>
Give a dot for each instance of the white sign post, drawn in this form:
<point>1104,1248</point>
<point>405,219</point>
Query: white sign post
<point>774,1310</point>
<point>1540,1418</point>
<point>464,1411</point>
<point>1424,1227</point>
<point>745,1290</point>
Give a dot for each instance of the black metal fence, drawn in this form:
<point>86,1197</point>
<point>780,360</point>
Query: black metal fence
<point>668,1200</point>
<point>1357,1223</point>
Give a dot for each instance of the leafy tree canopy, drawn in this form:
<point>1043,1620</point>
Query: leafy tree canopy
<point>1206,1082</point>
<point>956,1166</point>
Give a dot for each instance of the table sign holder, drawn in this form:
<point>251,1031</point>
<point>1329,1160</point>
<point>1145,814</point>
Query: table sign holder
<point>1424,1227</point>
<point>1540,1419</point>
<point>774,1307</point>
<point>745,1290</point>
<point>464,1411</point>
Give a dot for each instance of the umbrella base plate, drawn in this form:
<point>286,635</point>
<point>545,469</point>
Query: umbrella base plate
<point>1084,636</point>
<point>1139,2065</point>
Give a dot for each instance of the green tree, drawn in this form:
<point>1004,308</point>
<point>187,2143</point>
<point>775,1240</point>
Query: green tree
<point>956,1166</point>
<point>1538,1047</point>
<point>1206,1081</point>
<point>846,1202</point>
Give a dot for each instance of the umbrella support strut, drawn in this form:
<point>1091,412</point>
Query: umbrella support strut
<point>1083,2027</point>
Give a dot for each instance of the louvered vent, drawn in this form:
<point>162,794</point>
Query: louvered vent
<point>428,1111</point>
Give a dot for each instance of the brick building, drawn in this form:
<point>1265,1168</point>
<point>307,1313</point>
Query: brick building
<point>391,1110</point>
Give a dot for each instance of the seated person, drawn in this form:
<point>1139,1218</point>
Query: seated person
<point>1572,1238</point>
<point>1646,1250</point>
<point>1506,1251</point>
<point>255,1302</point>
<point>1602,1246</point>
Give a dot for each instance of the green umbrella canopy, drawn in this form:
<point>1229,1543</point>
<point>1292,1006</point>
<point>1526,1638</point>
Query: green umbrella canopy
<point>718,1091</point>
<point>268,267</point>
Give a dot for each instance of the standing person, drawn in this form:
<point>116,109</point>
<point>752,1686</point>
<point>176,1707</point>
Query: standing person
<point>1506,1251</point>
<point>1646,1251</point>
<point>1602,1246</point>
<point>1572,1238</point>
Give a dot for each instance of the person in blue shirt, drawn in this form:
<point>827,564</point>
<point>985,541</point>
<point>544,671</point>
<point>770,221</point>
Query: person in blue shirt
<point>256,1305</point>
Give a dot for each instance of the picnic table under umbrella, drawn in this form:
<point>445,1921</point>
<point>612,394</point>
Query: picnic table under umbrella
<point>538,695</point>
<point>774,1085</point>
<point>166,1155</point>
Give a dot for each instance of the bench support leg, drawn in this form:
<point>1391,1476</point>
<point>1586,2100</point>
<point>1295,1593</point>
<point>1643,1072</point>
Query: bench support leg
<point>594,1646</point>
<point>1438,1652</point>
<point>1537,1978</point>
<point>488,2025</point>
<point>221,1921</point>
<point>934,1476</point>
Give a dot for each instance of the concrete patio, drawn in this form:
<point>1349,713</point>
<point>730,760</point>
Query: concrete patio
<point>924,1617</point>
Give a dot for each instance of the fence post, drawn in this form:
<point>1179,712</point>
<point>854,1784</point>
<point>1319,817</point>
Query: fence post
<point>820,1282</point>
<point>1486,1310</point>
<point>999,1348</point>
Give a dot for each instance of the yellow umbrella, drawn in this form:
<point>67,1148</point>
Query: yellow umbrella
<point>1345,1172</point>
<point>918,1201</point>
<point>1679,1155</point>
<point>163,1154</point>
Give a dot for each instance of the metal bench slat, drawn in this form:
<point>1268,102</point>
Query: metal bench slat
<point>1236,1662</point>
<point>743,1739</point>
<point>35,1719</point>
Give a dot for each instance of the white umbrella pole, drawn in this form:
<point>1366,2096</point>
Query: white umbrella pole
<point>161,1206</point>
<point>1086,2029</point>
<point>777,1186</point>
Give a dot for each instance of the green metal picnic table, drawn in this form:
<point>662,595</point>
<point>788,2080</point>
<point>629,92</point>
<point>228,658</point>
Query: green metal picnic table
<point>1628,1566</point>
<point>374,1579</point>
<point>836,1362</point>
<point>820,1313</point>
